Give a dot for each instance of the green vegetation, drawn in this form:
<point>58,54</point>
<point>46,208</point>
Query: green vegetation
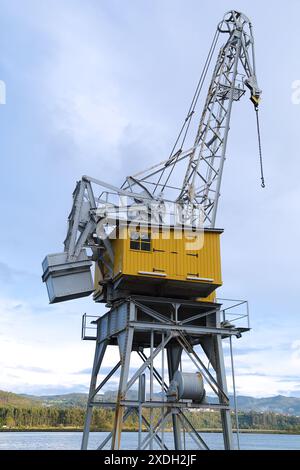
<point>67,412</point>
<point>249,421</point>
<point>53,418</point>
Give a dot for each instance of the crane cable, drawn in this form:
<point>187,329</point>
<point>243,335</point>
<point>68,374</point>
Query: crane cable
<point>259,150</point>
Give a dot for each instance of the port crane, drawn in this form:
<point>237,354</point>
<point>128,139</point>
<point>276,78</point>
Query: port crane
<point>161,292</point>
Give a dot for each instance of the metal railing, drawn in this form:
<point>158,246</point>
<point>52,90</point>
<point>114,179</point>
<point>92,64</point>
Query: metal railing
<point>89,327</point>
<point>235,312</point>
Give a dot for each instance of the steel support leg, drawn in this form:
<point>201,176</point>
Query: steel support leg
<point>221,379</point>
<point>99,354</point>
<point>174,352</point>
<point>125,351</point>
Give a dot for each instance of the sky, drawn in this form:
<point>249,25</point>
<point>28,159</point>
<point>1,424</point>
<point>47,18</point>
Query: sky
<point>101,88</point>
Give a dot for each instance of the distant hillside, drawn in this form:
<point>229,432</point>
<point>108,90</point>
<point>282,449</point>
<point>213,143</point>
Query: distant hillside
<point>79,399</point>
<point>278,404</point>
<point>12,399</point>
<point>61,401</point>
<point>70,399</point>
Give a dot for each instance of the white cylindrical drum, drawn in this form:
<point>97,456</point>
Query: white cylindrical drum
<point>190,385</point>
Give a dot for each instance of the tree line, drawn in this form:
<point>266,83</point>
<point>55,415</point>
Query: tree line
<point>54,417</point>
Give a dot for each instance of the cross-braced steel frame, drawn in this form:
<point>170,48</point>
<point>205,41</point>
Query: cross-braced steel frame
<point>167,329</point>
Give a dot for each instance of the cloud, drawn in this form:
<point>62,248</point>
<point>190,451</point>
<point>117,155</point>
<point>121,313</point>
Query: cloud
<point>6,273</point>
<point>248,350</point>
<point>10,275</point>
<point>289,378</point>
<point>42,345</point>
<point>50,389</point>
<point>253,374</point>
<point>38,370</point>
<point>83,371</point>
<point>83,97</point>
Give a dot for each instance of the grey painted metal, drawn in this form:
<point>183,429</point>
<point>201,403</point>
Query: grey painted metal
<point>161,381</point>
<point>203,370</point>
<point>160,378</point>
<point>221,378</point>
<point>194,434</point>
<point>120,327</point>
<point>174,356</point>
<point>125,346</point>
<point>159,404</point>
<point>193,330</point>
<point>153,432</point>
<point>148,362</point>
<point>189,385</point>
<point>156,437</point>
<point>142,398</point>
<point>128,413</point>
<point>151,386</point>
<point>106,379</point>
<point>99,354</point>
<point>65,279</point>
<point>234,396</point>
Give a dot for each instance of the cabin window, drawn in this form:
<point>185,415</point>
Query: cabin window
<point>140,241</point>
<point>145,241</point>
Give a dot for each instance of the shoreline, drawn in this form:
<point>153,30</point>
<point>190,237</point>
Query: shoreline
<point>80,430</point>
